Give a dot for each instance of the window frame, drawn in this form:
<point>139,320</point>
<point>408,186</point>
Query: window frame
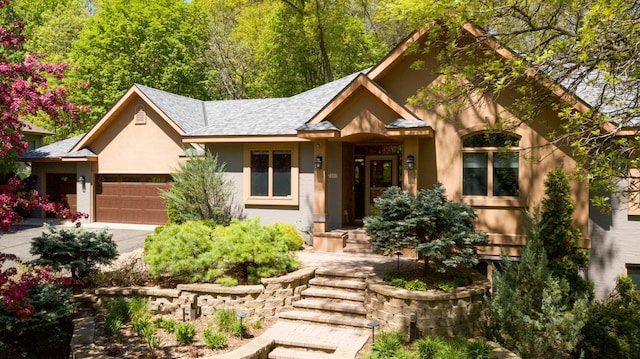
<point>270,199</point>
<point>490,151</point>
<point>633,198</point>
<point>636,275</point>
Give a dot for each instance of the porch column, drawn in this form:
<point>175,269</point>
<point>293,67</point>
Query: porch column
<point>320,186</point>
<point>410,177</point>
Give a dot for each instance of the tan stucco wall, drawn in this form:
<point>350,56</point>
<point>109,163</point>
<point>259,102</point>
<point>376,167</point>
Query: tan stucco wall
<point>439,159</point>
<point>126,147</point>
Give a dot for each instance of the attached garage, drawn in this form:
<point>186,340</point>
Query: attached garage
<point>131,198</point>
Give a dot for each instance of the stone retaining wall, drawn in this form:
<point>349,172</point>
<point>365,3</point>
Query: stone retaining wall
<point>460,312</point>
<point>261,301</point>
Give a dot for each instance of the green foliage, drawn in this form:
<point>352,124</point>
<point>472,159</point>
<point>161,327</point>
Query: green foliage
<point>239,329</point>
<point>390,275</point>
<point>159,44</point>
<point>528,309</point>
<point>74,248</point>
<point>112,325</point>
<point>398,282</point>
<point>224,318</point>
<point>442,231</point>
<point>200,191</point>
<point>169,325</point>
<point>479,349</point>
<point>185,332</point>
<point>152,341</point>
<point>428,347</point>
<point>195,251</point>
<point>227,281</point>
<point>289,234</point>
<point>613,327</point>
<point>45,333</point>
<point>257,325</point>
<point>416,284</point>
<point>214,340</point>
<point>560,237</point>
<point>388,343</point>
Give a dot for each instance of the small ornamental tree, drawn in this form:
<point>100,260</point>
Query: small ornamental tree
<point>200,191</point>
<point>75,249</point>
<point>528,309</point>
<point>442,231</point>
<point>560,237</point>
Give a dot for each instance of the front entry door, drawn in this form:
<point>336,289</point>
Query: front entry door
<point>381,172</point>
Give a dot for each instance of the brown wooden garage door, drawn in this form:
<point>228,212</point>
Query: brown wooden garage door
<point>131,198</point>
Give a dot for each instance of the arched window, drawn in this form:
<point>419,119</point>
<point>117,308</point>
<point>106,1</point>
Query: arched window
<point>490,163</point>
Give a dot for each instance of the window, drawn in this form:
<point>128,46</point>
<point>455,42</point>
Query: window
<point>490,165</point>
<point>633,271</point>
<point>271,175</point>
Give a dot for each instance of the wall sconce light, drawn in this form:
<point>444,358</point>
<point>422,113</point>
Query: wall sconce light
<point>82,180</point>
<point>318,161</point>
<point>411,162</point>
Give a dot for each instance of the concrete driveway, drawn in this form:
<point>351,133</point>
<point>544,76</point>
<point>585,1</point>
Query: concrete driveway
<point>128,237</point>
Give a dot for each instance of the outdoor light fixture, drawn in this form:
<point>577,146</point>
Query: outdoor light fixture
<point>373,326</point>
<point>241,315</point>
<point>82,180</point>
<point>398,253</point>
<point>411,162</point>
<point>318,161</point>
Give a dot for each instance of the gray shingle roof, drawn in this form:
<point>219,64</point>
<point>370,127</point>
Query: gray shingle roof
<point>185,112</point>
<point>59,149</point>
<point>280,116</point>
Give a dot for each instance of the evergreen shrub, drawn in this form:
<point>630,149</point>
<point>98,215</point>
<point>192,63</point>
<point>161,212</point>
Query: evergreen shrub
<point>75,249</point>
<point>244,250</point>
<point>214,340</point>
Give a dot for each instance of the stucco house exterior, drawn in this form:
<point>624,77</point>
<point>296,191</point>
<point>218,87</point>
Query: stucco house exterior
<point>318,159</point>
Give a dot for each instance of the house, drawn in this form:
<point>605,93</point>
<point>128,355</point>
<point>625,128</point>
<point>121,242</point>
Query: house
<point>318,159</point>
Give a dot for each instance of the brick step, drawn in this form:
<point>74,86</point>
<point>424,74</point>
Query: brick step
<point>358,234</point>
<point>325,318</point>
<point>355,284</point>
<point>359,250</point>
<point>330,272</point>
<point>298,353</point>
<point>334,294</point>
<point>358,241</point>
<point>329,306</point>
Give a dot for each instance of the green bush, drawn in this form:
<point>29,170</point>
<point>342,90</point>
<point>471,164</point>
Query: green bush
<point>185,332</point>
<point>398,282</point>
<point>257,325</point>
<point>74,248</point>
<point>112,325</point>
<point>479,349</point>
<point>416,284</point>
<point>224,318</point>
<point>390,275</point>
<point>169,325</point>
<point>428,347</point>
<point>227,281</point>
<point>43,334</point>
<point>148,333</point>
<point>388,343</point>
<point>214,340</point>
<point>239,329</point>
<point>288,234</point>
<point>244,250</point>
<point>613,328</point>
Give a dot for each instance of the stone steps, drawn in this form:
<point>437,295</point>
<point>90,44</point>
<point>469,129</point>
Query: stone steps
<point>298,353</point>
<point>331,306</point>
<point>358,242</point>
<point>329,318</point>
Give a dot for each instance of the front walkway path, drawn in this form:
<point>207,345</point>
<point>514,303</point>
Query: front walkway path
<point>341,343</point>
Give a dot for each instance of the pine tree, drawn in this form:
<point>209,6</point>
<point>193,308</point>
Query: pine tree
<point>528,309</point>
<point>559,235</point>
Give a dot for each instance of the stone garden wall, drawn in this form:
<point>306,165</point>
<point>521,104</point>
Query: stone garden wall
<point>460,312</point>
<point>264,300</point>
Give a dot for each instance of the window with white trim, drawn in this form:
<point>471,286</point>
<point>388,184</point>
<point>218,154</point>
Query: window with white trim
<point>490,165</point>
<point>271,175</point>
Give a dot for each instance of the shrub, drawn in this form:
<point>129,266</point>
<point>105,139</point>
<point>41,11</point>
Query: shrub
<point>200,191</point>
<point>428,347</point>
<point>528,309</point>
<point>398,282</point>
<point>74,248</point>
<point>227,281</point>
<point>442,231</point>
<point>613,328</point>
<point>112,325</point>
<point>257,325</point>
<point>224,318</point>
<point>244,250</point>
<point>239,329</point>
<point>214,340</point>
<point>390,275</point>
<point>148,333</point>
<point>185,332</point>
<point>416,284</point>
<point>137,308</point>
<point>479,349</point>
<point>288,234</point>
<point>388,343</point>
<point>169,325</point>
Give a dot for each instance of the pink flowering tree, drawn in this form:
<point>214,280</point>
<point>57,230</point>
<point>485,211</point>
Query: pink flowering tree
<point>25,91</point>
<point>28,298</point>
